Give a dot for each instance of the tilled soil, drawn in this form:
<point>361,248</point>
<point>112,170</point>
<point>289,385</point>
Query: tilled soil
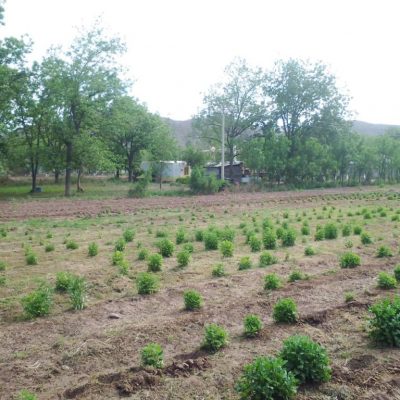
<point>71,207</point>
<point>88,355</point>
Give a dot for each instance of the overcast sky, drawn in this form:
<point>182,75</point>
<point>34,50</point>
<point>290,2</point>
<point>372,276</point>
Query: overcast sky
<point>178,48</point>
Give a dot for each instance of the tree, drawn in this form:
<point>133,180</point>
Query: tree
<point>303,98</point>
<point>238,101</point>
<point>83,81</point>
<point>194,156</point>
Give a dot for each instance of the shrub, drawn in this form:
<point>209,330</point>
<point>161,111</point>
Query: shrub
<point>198,235</point>
<point>346,230</point>
<point>49,247</point>
<point>143,254</point>
<point>252,325</point>
<point>120,244</point>
<point>269,239</point>
<point>210,239</point>
<point>38,303</point>
<point>266,379</point>
<point>77,292</point>
<point>3,266</point>
<point>218,271</point>
<point>183,258</point>
<point>188,247</point>
<point>285,310</point>
<point>63,281</point>
<point>166,247</point>
<point>215,337</point>
<point>288,238</point>
<point>147,283</point>
<point>123,267</point>
<point>180,236</point>
<point>226,248</point>
<point>31,258</point>
<point>350,260</point>
<point>330,231</point>
<point>161,234</point>
<point>26,395</point>
<point>152,355</point>
<point>129,235</point>
<point>384,325</point>
<point>348,297</point>
<point>386,281</point>
<point>154,262</point>
<point>305,230</point>
<point>93,249</point>
<point>71,245</point>
<point>306,359</point>
<point>348,244</point>
<point>271,282</point>
<point>245,263</point>
<point>192,300</point>
<point>365,238</point>
<point>255,244</point>
<point>319,235</point>
<point>266,259</point>
<point>295,275</point>
<point>384,251</point>
<point>226,234</point>
<point>117,257</point>
<point>357,230</point>
<point>200,183</point>
<point>279,232</point>
<point>397,272</point>
<point>309,251</point>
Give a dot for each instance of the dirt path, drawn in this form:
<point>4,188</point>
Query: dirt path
<point>73,208</point>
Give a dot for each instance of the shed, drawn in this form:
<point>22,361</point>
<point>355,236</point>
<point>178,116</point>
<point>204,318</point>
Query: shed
<point>238,170</point>
<point>171,170</point>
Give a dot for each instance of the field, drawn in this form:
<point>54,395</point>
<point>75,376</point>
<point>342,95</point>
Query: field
<point>94,353</point>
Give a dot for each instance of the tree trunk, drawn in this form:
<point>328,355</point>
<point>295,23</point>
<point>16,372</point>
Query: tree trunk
<point>117,173</point>
<point>161,171</point>
<point>79,188</point>
<point>56,176</point>
<point>34,176</point>
<point>68,170</point>
<point>130,169</point>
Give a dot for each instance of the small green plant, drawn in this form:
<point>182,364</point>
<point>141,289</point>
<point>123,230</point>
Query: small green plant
<point>123,267</point>
<point>319,235</point>
<point>147,283</point>
<point>188,247</point>
<point>77,290</point>
<point>152,355</point>
<point>166,247</point>
<point>386,281</point>
<point>309,251</point>
<point>39,302</point>
<point>143,254</point>
<point>267,259</point>
<point>226,234</point>
<point>397,272</point>
<point>120,244</point>
<point>93,249</point>
<point>128,235</point>
<point>183,258</point>
<point>71,245</point>
<point>161,234</point>
<point>365,238</point>
<point>245,263</point>
<point>218,271</point>
<point>63,281</point>
<point>154,262</point>
<point>255,244</point>
<point>384,325</point>
<point>31,258</point>
<point>384,251</point>
<point>117,257</point>
<point>272,282</point>
<point>269,239</point>
<point>3,266</point>
<point>49,247</point>
<point>26,395</point>
<point>330,231</point>
<point>295,275</point>
<point>305,230</point>
<point>192,300</point>
<point>180,236</point>
<point>215,337</point>
<point>210,239</point>
<point>288,238</point>
<point>198,235</point>
<point>285,311</point>
<point>226,247</point>
<point>346,230</point>
<point>306,359</point>
<point>252,325</point>
<point>266,379</point>
<point>348,297</point>
<point>357,230</point>
<point>350,260</point>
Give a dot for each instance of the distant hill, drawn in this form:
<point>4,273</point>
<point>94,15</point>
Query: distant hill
<point>182,130</point>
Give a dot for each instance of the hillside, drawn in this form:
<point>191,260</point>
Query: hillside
<point>182,130</point>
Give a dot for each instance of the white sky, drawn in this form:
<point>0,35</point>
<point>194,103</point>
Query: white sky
<point>178,48</point>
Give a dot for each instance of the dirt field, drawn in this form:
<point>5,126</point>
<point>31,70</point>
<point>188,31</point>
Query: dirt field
<point>95,353</point>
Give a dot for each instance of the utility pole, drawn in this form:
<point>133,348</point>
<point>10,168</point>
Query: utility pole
<point>223,146</point>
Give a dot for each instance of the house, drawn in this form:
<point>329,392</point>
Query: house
<point>239,172</point>
<point>171,170</point>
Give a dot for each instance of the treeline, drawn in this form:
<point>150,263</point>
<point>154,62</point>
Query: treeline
<point>71,112</point>
<point>292,125</point>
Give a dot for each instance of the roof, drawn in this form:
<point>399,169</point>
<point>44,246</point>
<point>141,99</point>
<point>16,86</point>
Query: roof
<point>227,164</point>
